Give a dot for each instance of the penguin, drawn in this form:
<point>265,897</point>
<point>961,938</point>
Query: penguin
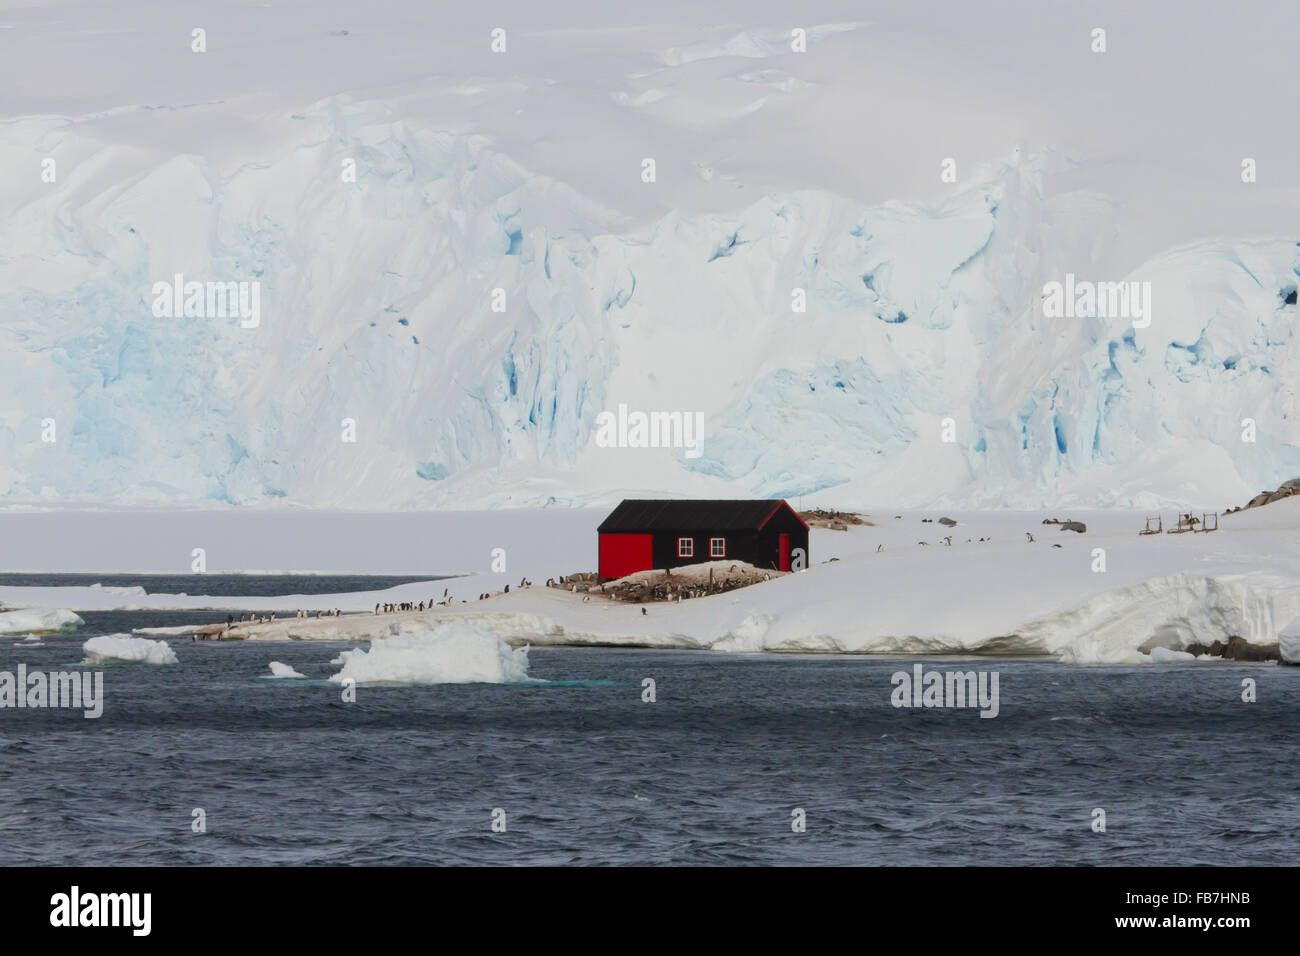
<point>1030,537</point>
<point>643,612</point>
<point>879,548</point>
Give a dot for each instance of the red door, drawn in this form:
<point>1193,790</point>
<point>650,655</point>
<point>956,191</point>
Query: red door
<point>624,554</point>
<point>783,552</point>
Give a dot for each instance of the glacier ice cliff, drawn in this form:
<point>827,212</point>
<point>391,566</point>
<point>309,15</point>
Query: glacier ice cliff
<point>380,300</point>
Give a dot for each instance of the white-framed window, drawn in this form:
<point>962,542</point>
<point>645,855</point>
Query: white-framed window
<point>717,547</point>
<point>685,547</point>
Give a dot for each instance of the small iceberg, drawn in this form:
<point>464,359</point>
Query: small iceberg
<point>42,620</point>
<point>452,653</point>
<point>279,670</point>
<point>124,649</point>
<point>1164,655</point>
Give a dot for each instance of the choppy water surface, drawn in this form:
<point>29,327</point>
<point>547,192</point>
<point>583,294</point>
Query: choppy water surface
<point>587,772</point>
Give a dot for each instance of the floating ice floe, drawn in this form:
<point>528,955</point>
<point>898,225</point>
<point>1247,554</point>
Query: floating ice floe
<point>122,648</point>
<point>38,619</point>
<point>452,653</point>
<point>283,670</point>
<point>1164,655</point>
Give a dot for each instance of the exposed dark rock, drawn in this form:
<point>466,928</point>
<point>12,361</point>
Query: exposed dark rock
<point>1237,648</point>
<point>1285,490</point>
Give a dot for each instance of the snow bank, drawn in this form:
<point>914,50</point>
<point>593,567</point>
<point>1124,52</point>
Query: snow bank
<point>38,620</point>
<point>454,652</point>
<point>283,670</point>
<point>122,648</point>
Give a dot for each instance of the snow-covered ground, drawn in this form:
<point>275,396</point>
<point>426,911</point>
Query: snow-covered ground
<point>521,171</point>
<point>885,593</point>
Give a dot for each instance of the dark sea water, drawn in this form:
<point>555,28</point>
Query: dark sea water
<point>226,585</point>
<point>586,772</point>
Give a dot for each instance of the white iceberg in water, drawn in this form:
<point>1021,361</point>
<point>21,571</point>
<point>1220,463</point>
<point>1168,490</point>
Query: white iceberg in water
<point>1165,655</point>
<point>122,648</point>
<point>283,670</point>
<point>453,653</point>
<point>42,620</point>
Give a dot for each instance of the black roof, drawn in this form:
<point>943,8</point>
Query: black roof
<point>655,514</point>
